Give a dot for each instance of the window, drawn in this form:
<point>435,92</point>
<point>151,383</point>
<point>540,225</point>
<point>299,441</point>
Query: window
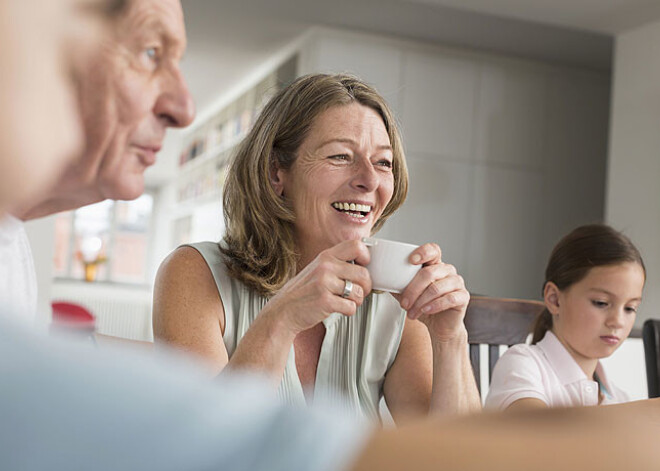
<point>113,236</point>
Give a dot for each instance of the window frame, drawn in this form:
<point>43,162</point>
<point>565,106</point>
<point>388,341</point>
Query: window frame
<point>107,279</point>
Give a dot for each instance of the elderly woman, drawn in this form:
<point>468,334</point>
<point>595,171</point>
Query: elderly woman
<point>286,292</point>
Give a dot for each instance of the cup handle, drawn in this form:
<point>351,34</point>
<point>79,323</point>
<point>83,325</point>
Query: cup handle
<point>369,241</point>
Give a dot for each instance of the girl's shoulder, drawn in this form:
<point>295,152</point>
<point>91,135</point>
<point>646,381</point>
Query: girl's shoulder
<point>518,374</point>
<point>521,352</point>
<point>521,360</point>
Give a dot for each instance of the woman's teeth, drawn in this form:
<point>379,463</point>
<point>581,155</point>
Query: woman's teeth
<point>355,210</point>
<point>361,208</point>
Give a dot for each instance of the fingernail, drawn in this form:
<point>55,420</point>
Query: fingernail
<point>405,303</point>
<point>416,258</point>
<point>426,309</point>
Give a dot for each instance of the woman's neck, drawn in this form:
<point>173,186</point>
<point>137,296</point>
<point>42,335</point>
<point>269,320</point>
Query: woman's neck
<point>307,254</point>
<point>303,261</point>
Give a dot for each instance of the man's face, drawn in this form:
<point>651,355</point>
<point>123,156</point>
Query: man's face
<point>42,49</point>
<point>130,95</point>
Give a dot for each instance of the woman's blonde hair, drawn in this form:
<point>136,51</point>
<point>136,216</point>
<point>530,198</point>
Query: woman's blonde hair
<point>259,239</point>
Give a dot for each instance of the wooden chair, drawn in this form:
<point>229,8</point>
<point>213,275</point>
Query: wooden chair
<point>495,322</point>
<point>651,339</point>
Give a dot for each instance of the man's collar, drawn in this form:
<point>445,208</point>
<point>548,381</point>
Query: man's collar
<point>9,228</point>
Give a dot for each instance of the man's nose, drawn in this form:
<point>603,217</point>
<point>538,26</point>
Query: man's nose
<point>175,106</point>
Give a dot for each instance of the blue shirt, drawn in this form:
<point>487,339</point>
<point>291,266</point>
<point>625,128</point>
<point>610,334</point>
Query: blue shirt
<point>68,407</point>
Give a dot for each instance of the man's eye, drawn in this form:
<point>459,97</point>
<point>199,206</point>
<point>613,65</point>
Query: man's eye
<point>151,53</point>
<point>339,157</point>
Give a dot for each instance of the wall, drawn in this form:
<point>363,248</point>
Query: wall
<point>161,177</point>
<point>633,191</point>
<point>505,155</point>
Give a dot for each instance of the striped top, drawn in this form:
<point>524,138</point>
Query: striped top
<point>356,352</point>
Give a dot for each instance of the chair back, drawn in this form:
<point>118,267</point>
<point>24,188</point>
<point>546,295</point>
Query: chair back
<point>651,339</point>
<point>495,322</point>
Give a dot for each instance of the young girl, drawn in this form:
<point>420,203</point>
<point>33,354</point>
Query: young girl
<point>593,288</point>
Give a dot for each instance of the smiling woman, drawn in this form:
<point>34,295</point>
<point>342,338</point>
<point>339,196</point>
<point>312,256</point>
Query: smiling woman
<point>287,292</point>
<point>333,176</point>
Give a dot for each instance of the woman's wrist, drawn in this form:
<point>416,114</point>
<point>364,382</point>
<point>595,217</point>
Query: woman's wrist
<point>454,340</point>
<point>277,324</point>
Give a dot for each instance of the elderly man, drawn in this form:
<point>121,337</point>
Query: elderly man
<point>35,157</point>
<point>129,94</point>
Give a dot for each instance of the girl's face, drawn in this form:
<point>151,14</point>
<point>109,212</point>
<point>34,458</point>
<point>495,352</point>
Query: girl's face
<point>595,315</point>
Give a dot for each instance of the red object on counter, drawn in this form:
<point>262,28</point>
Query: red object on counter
<point>72,316</point>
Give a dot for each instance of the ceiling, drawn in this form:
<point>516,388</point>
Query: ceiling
<point>604,16</point>
<point>229,39</point>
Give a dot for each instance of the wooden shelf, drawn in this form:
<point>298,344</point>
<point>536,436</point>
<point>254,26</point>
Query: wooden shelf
<point>207,151</point>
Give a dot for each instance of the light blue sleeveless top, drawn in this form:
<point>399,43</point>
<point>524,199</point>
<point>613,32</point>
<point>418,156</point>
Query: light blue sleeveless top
<point>356,353</point>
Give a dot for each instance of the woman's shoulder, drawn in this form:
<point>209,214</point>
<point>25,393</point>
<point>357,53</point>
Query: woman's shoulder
<point>184,257</point>
<point>192,262</point>
<point>209,250</point>
<point>184,262</point>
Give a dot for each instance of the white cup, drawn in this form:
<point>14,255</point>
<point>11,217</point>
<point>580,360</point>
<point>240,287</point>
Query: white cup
<point>389,267</point>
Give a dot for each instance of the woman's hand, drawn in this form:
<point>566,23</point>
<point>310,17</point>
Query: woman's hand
<point>436,296</point>
<point>316,292</point>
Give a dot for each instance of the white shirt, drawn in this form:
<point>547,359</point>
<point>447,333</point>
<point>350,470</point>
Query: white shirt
<point>18,280</point>
<point>71,407</point>
<point>548,372</point>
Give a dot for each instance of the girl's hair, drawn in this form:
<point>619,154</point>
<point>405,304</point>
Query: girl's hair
<point>586,247</point>
<point>259,241</point>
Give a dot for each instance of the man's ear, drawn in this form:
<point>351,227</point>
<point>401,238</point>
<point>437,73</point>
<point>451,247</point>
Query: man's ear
<point>276,177</point>
<point>551,295</point>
